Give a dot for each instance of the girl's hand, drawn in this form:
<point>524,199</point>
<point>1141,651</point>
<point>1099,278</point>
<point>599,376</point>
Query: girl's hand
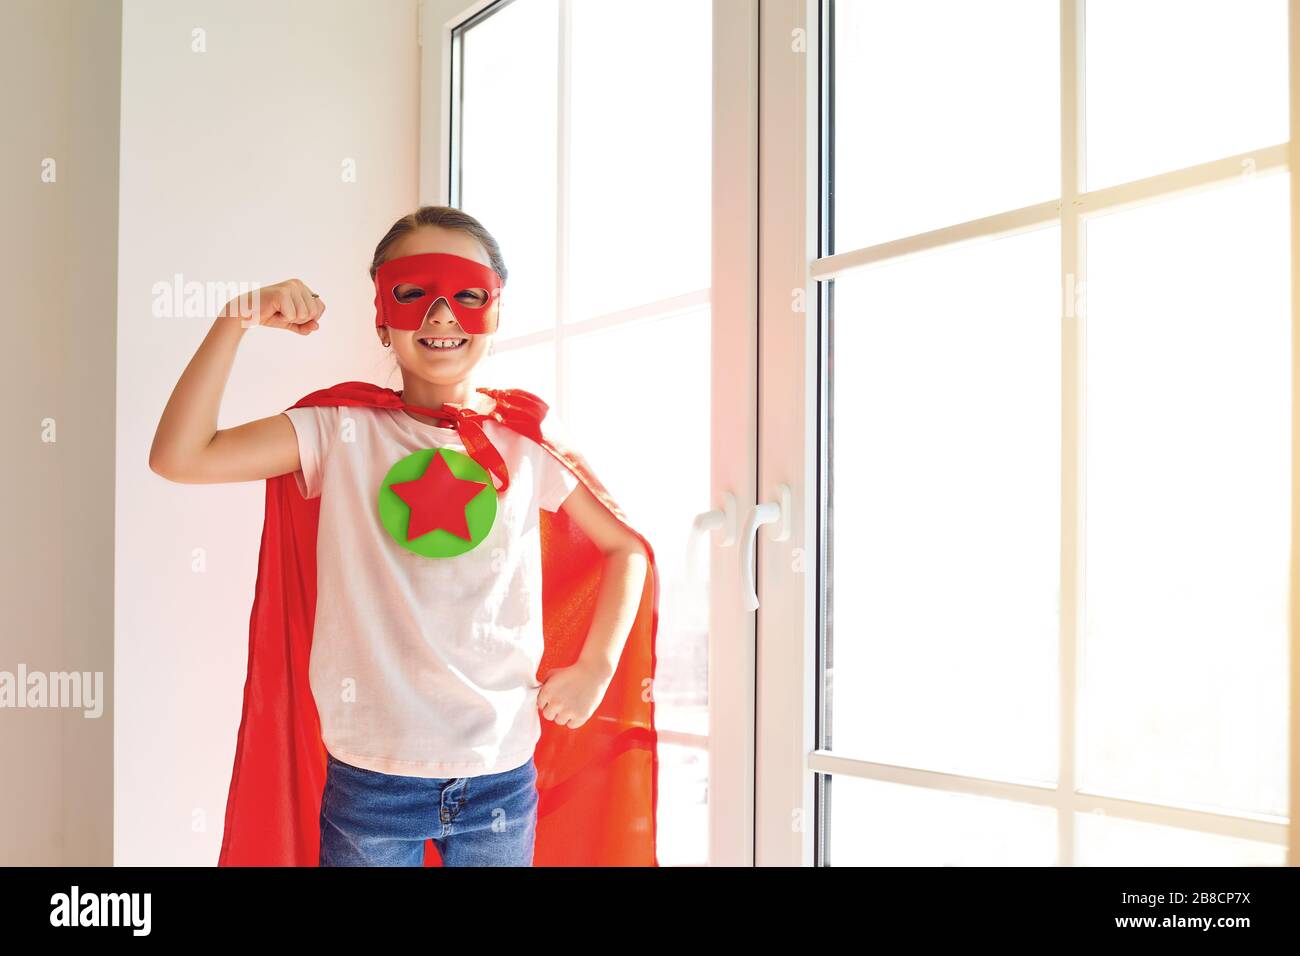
<point>570,695</point>
<point>285,305</point>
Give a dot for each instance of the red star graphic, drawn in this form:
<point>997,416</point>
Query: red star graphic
<point>437,499</point>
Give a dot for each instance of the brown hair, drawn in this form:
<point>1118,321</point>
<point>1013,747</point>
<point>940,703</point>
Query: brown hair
<point>448,217</point>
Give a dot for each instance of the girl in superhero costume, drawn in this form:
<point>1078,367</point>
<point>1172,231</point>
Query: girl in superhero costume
<point>477,734</point>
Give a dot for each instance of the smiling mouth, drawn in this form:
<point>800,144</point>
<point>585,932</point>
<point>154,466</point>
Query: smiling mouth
<point>443,344</point>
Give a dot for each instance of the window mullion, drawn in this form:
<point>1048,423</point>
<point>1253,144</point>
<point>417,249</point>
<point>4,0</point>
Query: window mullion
<point>1293,842</point>
<point>1072,414</point>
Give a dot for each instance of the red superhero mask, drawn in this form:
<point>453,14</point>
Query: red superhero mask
<point>471,290</point>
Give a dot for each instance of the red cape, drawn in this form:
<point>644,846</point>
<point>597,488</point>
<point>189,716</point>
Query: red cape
<point>597,784</point>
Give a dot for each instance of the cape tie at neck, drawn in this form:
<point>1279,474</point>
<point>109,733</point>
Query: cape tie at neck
<point>517,414</point>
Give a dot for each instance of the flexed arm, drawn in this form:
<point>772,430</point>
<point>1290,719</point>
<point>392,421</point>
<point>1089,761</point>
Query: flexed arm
<point>187,446</point>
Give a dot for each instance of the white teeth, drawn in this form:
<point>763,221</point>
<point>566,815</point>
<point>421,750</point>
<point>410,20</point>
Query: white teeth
<point>442,343</point>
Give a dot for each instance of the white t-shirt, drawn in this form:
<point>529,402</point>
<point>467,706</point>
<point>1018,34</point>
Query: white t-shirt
<point>423,666</point>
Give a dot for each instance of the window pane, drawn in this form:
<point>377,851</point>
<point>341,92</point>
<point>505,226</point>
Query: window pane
<point>642,83</point>
<point>509,98</point>
<point>616,403</point>
<point>683,804</point>
<point>944,510</point>
<point>1108,841</point>
<point>889,824</point>
<point>1172,83</point>
<point>531,367</point>
<point>944,111</point>
<point>613,405</point>
<point>1184,695</point>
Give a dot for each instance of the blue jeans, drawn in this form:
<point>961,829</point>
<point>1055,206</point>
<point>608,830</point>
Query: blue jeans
<point>368,818</point>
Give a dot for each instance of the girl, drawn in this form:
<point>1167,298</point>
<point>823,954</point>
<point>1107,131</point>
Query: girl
<point>427,634</point>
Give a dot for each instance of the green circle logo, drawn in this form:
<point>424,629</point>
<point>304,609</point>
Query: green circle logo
<point>437,502</point>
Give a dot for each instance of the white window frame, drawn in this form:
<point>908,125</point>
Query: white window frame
<point>733,301</point>
<point>788,762</point>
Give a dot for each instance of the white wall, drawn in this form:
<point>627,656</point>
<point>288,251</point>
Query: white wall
<point>232,164</point>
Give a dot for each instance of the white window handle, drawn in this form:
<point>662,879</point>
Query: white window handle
<point>765,513</point>
<point>727,518</point>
